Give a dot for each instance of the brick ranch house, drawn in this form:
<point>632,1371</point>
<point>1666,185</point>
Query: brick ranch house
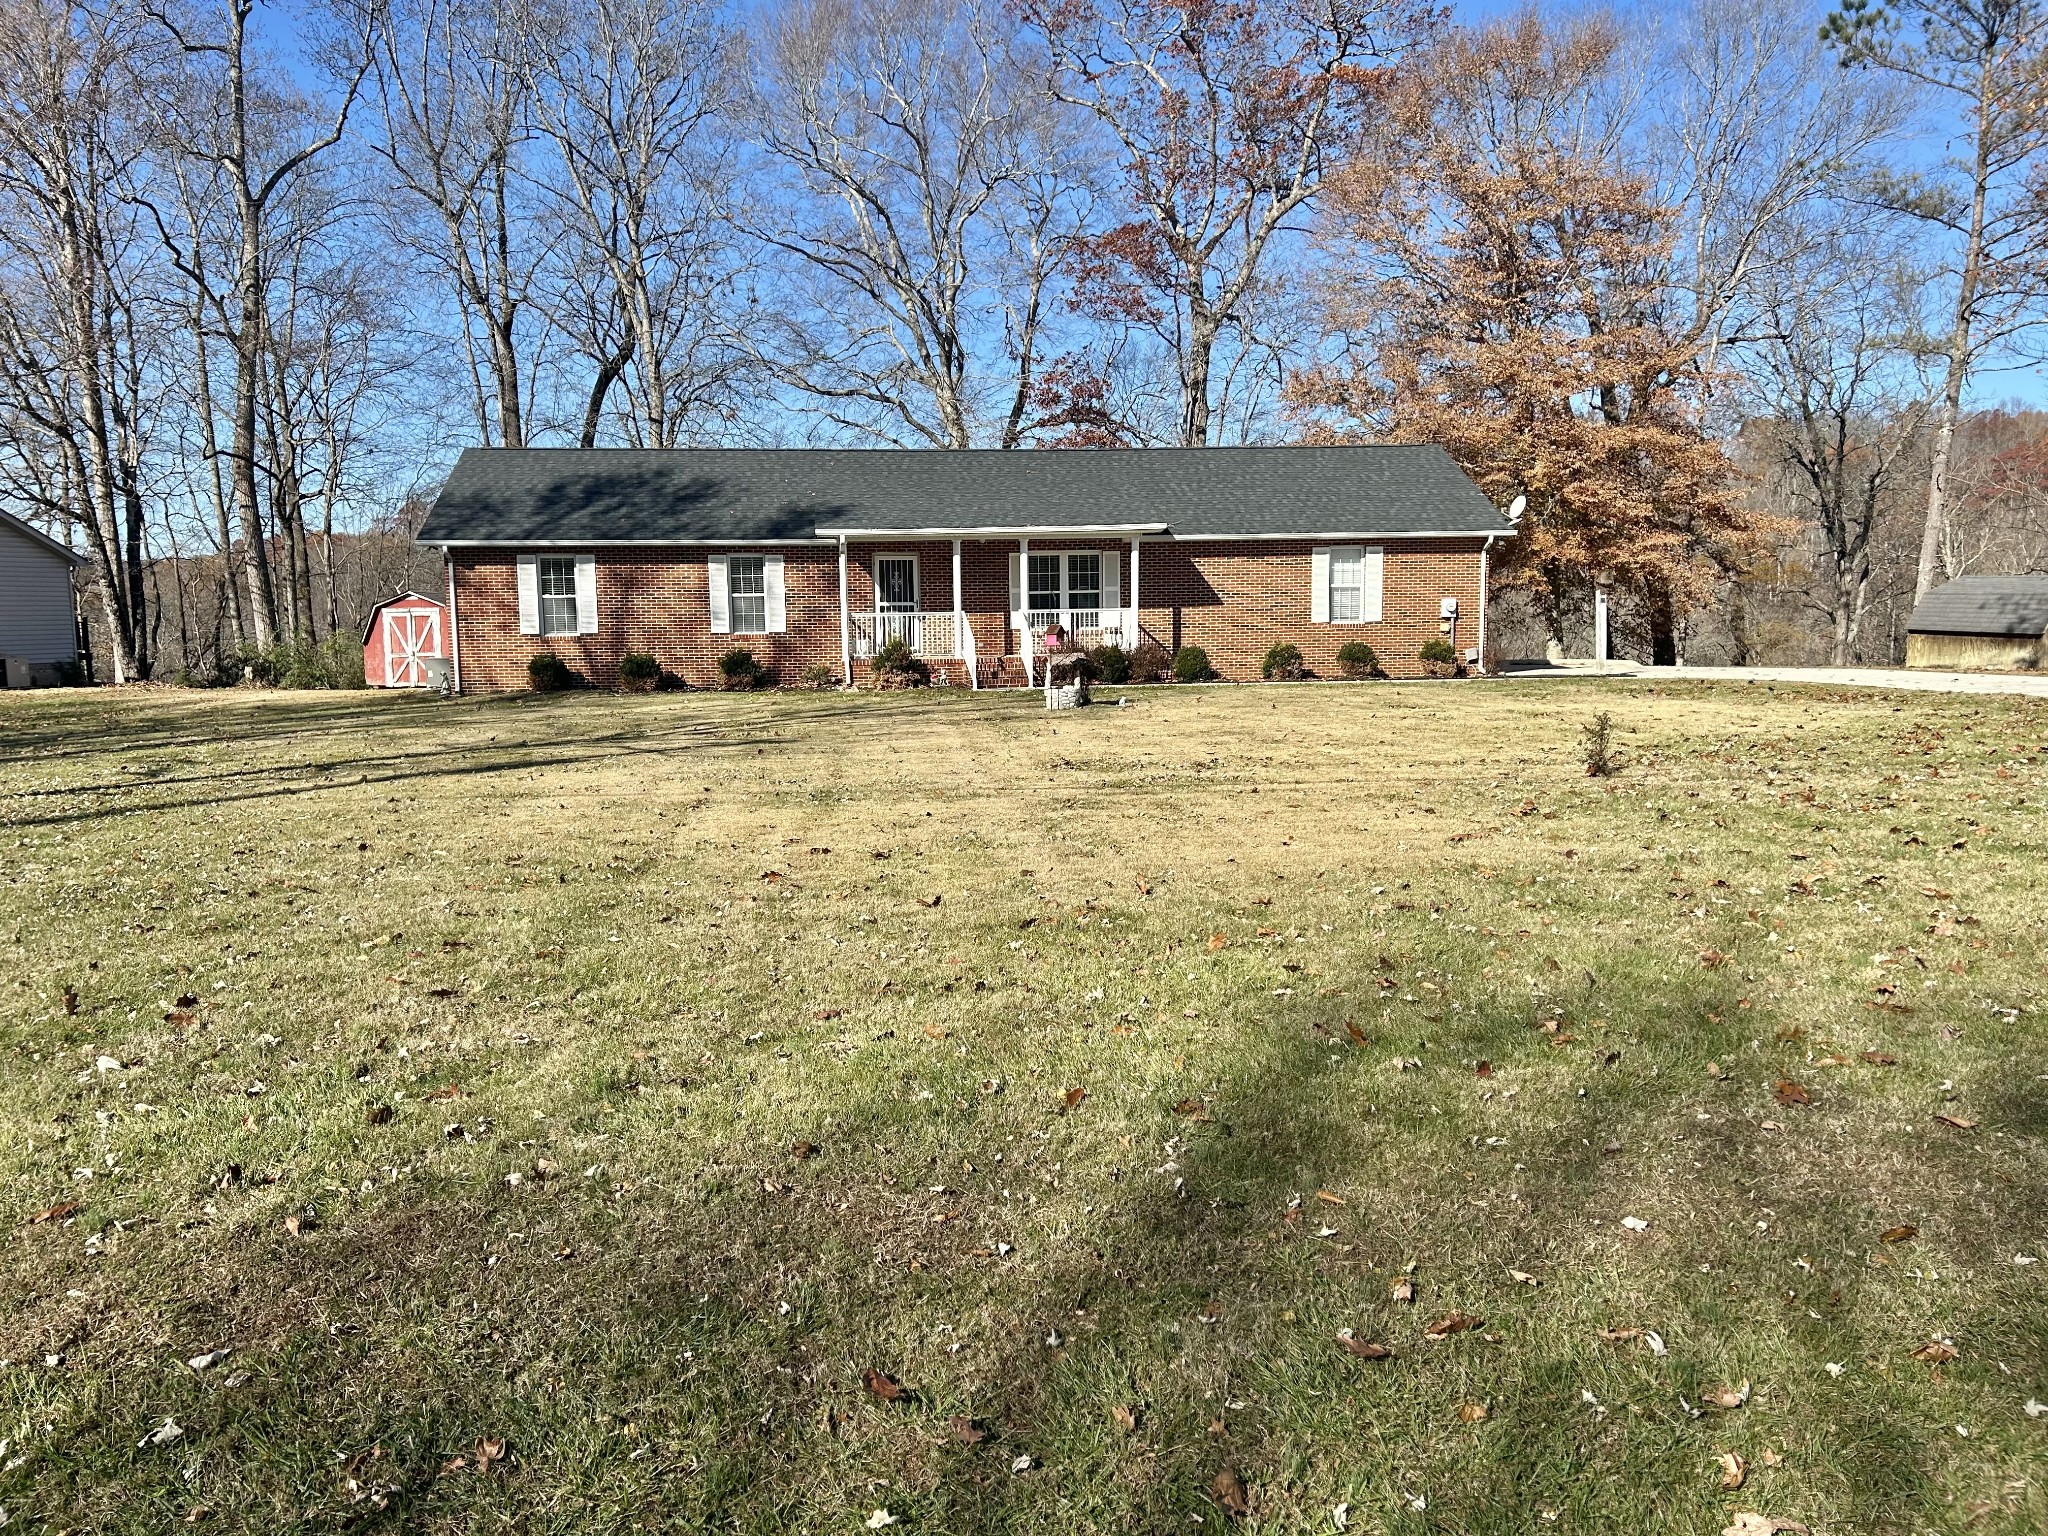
<point>819,556</point>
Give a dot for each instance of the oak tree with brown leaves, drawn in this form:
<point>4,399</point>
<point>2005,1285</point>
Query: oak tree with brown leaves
<point>1506,300</point>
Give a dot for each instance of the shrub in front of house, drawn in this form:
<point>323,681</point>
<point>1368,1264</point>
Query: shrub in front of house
<point>819,676</point>
<point>1150,663</point>
<point>1283,664</point>
<point>639,672</point>
<point>895,666</point>
<point>1439,658</point>
<point>1112,663</point>
<point>1357,659</point>
<point>548,673</point>
<point>1191,665</point>
<point>740,672</point>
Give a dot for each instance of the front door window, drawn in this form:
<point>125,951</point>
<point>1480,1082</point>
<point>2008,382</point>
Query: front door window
<point>895,584</point>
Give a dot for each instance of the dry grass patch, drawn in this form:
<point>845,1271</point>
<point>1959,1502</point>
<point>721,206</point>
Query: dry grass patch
<point>556,1106</point>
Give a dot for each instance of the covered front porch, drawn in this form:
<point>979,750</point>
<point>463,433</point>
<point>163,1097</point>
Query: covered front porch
<point>976,605</point>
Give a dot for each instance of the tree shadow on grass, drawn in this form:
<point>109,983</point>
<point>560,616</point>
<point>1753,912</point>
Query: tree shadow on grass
<point>421,1324</point>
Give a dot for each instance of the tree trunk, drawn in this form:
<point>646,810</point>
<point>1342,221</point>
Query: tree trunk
<point>1202,329</point>
<point>1936,527</point>
<point>1663,618</point>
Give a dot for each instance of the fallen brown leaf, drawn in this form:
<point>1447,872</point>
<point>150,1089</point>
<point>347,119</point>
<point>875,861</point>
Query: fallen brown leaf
<point>1959,1122</point>
<point>966,1431</point>
<point>1788,1092</point>
<point>1126,1418</point>
<point>1231,1492</point>
<point>883,1385</point>
<point>1472,1413</point>
<point>1404,1290</point>
<point>1451,1322</point>
<point>1357,1035</point>
<point>57,1212</point>
<point>1711,958</point>
<point>1365,1349</point>
<point>1899,1234</point>
<point>1329,1197</point>
<point>1881,1058</point>
<point>1747,1523</point>
<point>1216,942</point>
<point>1734,1470</point>
<point>1074,1097</point>
<point>1728,1397</point>
<point>1936,1352</point>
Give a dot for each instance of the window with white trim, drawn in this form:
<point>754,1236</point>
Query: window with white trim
<point>1084,581</point>
<point>555,577</point>
<point>746,585</point>
<point>1347,585</point>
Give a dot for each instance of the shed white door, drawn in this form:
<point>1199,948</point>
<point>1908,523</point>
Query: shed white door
<point>411,636</point>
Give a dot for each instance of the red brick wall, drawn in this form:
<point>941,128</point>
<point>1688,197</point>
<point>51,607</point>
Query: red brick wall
<point>650,599</point>
<point>1234,599</point>
<point>1237,599</point>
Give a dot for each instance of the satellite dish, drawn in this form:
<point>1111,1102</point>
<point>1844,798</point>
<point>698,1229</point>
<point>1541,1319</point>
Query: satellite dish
<point>1516,508</point>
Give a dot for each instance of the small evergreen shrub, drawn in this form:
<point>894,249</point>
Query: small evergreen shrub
<point>1357,659</point>
<point>740,672</point>
<point>1439,659</point>
<point>819,676</point>
<point>1284,664</point>
<point>1112,663</point>
<point>1191,665</point>
<point>896,666</point>
<point>1150,663</point>
<point>548,673</point>
<point>1597,740</point>
<point>639,671</point>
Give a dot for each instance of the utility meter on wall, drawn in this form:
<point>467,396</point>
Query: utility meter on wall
<point>1447,615</point>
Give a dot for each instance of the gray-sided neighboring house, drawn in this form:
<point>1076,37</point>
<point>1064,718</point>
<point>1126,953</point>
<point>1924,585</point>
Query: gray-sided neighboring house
<point>38,613</point>
<point>1981,624</point>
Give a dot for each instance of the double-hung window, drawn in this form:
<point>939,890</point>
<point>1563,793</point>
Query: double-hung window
<point>1348,581</point>
<point>1084,586</point>
<point>747,589</point>
<point>556,578</point>
<point>1347,585</point>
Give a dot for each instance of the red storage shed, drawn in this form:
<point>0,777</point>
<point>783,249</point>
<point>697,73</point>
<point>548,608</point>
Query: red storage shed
<point>404,633</point>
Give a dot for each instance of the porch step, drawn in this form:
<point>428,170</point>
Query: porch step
<point>1003,672</point>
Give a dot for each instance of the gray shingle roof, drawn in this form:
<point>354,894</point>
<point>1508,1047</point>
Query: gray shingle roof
<point>623,495</point>
<point>1984,605</point>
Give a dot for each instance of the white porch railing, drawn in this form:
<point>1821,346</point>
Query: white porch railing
<point>1085,628</point>
<point>930,636</point>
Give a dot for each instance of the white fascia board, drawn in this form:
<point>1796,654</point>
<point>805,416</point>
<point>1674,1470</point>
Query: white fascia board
<point>819,542</point>
<point>1019,531</point>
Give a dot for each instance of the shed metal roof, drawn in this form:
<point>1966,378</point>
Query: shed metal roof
<point>1984,605</point>
<point>734,495</point>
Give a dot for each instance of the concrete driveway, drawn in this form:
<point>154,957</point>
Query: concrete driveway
<point>2030,685</point>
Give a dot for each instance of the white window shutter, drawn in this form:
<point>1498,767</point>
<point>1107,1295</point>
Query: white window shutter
<point>586,594</point>
<point>771,583</point>
<point>1375,583</point>
<point>529,594</point>
<point>1016,589</point>
<point>1319,586</point>
<point>1112,595</point>
<point>721,606</point>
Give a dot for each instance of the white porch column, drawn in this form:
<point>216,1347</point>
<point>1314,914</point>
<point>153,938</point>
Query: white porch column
<point>1485,555</point>
<point>1024,612</point>
<point>1131,631</point>
<point>959,613</point>
<point>1600,624</point>
<point>845,620</point>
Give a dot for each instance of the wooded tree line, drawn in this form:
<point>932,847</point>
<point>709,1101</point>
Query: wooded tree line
<point>1712,290</point>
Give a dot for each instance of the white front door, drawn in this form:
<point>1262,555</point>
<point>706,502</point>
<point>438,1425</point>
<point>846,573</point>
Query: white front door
<point>896,600</point>
<point>411,637</point>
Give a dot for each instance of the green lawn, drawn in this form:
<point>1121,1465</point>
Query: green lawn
<point>558,1107</point>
